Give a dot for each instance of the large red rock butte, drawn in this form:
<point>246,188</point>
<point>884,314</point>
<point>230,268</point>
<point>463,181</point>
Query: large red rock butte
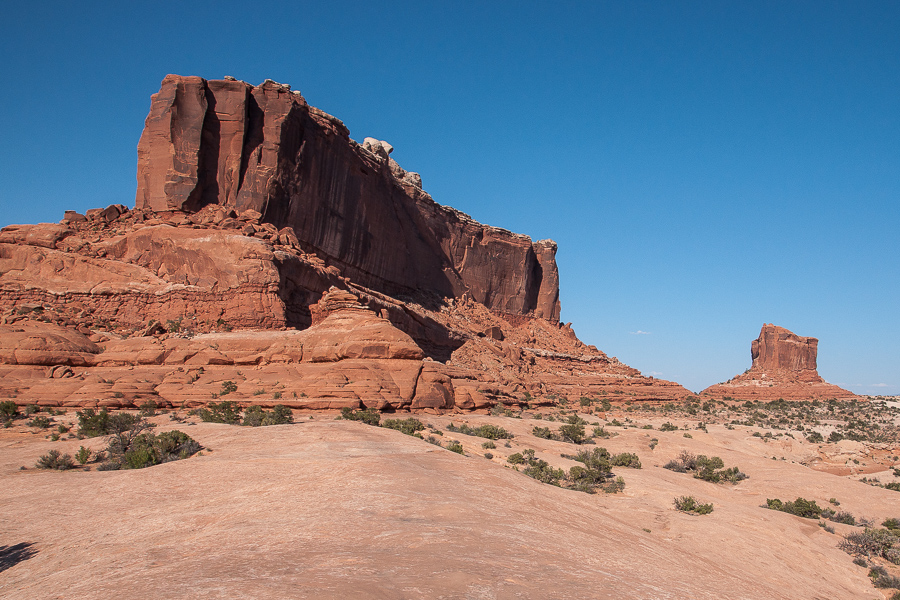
<point>784,366</point>
<point>263,148</point>
<point>269,249</point>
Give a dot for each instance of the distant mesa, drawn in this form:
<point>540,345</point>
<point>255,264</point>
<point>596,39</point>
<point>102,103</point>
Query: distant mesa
<point>784,366</point>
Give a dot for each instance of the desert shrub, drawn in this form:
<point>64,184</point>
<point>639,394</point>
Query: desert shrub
<point>31,409</point>
<point>63,428</point>
<point>408,426</point>
<point>224,412</point>
<point>83,455</point>
<point>668,427</point>
<point>583,401</point>
<point>491,432</point>
<point>626,459</point>
<point>892,524</point>
<point>489,445</point>
<point>572,432</point>
<point>146,449</point>
<point>705,467</point>
<point>602,433</point>
<point>542,471</point>
<point>689,504</point>
<point>40,421</point>
<point>882,579</point>
<point>92,423</point>
<point>516,459</point>
<point>882,543</point>
<point>148,408</point>
<point>54,459</point>
<point>369,416</point>
<point>228,387</point>
<point>488,455</point>
<point>808,509</point>
<point>433,440</point>
<point>454,446</point>
<point>256,416</point>
<point>842,517</point>
<point>542,432</point>
<point>9,410</point>
<point>815,437</point>
<point>615,486</point>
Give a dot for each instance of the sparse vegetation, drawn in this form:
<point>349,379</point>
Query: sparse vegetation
<point>408,426</point>
<point>454,446</point>
<point>257,416</point>
<point>491,432</point>
<point>808,509</point>
<point>223,412</point>
<point>689,504</point>
<point>54,459</point>
<point>369,416</point>
<point>710,469</point>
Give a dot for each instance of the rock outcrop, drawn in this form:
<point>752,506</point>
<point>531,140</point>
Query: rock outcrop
<point>784,366</point>
<point>270,250</point>
<point>263,148</point>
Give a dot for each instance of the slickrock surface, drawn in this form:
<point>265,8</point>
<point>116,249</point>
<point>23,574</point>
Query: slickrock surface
<point>338,509</point>
<point>784,366</point>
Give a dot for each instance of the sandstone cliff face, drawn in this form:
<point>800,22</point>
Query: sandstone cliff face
<point>784,366</point>
<point>270,250</point>
<point>264,148</point>
<point>778,348</point>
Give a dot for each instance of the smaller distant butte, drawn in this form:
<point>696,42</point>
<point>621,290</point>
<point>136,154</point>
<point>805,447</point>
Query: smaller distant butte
<point>784,366</point>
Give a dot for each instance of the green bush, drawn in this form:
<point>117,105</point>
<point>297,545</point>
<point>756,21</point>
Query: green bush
<point>31,409</point>
<point>9,410</point>
<point>224,412</point>
<point>491,432</point>
<point>815,437</point>
<point>626,459</point>
<point>808,509</point>
<point>516,459</point>
<point>542,432</point>
<point>40,422</point>
<point>92,423</point>
<point>55,459</point>
<point>454,446</point>
<point>83,455</point>
<point>690,504</point>
<point>408,426</point>
<point>148,408</point>
<point>228,387</point>
<point>881,543</point>
<point>256,416</point>
<point>370,416</point>
<point>489,445</point>
<point>705,467</point>
<point>668,427</point>
<point>146,449</point>
<point>573,431</point>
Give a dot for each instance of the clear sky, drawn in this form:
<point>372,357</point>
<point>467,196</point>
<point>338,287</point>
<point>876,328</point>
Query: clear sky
<point>706,167</point>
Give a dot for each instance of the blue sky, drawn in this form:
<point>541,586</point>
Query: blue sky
<point>706,167</point>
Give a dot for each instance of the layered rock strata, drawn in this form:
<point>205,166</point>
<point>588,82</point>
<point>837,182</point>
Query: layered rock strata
<point>784,366</point>
<point>230,144</point>
<point>270,250</point>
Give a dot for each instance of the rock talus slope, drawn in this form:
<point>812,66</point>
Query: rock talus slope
<point>784,366</point>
